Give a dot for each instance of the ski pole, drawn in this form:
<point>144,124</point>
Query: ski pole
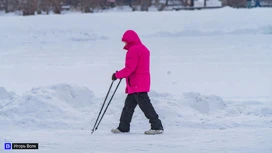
<point>108,104</point>
<point>102,106</point>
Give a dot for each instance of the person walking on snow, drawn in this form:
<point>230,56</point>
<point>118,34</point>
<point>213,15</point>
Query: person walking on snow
<point>137,75</point>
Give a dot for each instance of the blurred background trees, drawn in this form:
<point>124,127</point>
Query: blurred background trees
<point>31,7</point>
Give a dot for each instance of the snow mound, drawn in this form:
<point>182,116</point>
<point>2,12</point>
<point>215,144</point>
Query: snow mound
<point>66,106</point>
<point>55,104</point>
<point>204,104</point>
<point>5,97</point>
<point>3,93</point>
<point>249,108</point>
<point>77,97</point>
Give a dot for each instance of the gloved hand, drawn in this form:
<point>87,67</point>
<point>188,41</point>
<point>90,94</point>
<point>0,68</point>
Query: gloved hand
<point>113,78</point>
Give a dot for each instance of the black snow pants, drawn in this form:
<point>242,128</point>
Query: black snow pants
<point>141,99</point>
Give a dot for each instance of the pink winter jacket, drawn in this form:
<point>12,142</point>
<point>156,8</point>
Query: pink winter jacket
<point>136,71</point>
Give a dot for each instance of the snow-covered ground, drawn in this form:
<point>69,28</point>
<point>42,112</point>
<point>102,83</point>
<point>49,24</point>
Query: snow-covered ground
<point>211,81</point>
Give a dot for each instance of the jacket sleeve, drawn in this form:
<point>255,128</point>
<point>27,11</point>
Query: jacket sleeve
<point>130,64</point>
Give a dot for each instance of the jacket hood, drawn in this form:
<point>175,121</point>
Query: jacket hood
<point>131,38</point>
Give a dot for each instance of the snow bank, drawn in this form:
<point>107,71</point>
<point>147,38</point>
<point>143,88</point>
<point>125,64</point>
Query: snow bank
<point>47,106</point>
<point>5,97</point>
<point>249,108</point>
<point>70,106</point>
<point>3,93</point>
<point>204,104</point>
